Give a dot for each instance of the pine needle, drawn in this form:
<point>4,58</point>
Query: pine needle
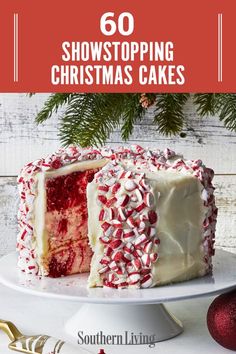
<point>133,111</point>
<point>207,103</point>
<point>169,114</point>
<point>91,118</point>
<point>228,110</point>
<point>53,103</point>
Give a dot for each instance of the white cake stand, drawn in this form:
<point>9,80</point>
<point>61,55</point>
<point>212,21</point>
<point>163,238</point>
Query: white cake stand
<point>117,311</point>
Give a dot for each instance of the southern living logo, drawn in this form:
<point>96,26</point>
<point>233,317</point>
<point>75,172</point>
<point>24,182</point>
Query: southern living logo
<point>127,338</point>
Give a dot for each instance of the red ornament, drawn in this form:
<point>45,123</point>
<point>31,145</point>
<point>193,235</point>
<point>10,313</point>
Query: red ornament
<point>101,351</point>
<point>221,320</point>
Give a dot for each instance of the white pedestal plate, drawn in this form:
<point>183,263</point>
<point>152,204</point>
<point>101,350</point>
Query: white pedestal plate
<point>122,312</point>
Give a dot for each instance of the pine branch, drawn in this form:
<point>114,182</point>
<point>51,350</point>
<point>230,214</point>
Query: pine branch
<point>169,114</point>
<point>53,103</point>
<point>207,103</point>
<point>77,106</point>
<point>90,118</point>
<point>133,112</point>
<point>227,110</point>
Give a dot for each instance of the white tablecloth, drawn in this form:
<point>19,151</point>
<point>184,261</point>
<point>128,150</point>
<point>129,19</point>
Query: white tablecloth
<point>35,315</point>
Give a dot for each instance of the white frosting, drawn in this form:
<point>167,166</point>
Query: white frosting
<point>40,236</point>
<point>77,166</point>
<point>180,216</point>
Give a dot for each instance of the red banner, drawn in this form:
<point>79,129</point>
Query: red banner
<point>117,46</point>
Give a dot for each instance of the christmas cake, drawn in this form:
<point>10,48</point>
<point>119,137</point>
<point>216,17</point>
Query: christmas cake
<point>131,217</point>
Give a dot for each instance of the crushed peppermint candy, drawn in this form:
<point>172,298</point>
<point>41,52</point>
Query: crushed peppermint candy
<point>132,241</point>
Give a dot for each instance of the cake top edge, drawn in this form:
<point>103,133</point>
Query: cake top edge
<point>153,159</point>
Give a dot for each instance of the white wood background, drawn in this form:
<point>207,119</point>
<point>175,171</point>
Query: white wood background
<point>21,141</point>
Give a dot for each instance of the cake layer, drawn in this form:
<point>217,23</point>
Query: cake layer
<point>71,258</point>
<point>66,215</point>
<point>61,218</point>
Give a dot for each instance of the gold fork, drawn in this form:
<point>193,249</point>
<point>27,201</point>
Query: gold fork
<point>39,344</point>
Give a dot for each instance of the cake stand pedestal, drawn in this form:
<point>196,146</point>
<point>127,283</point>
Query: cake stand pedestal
<point>137,324</point>
<point>134,314</point>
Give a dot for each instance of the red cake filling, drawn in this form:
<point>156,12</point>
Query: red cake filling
<point>66,224</point>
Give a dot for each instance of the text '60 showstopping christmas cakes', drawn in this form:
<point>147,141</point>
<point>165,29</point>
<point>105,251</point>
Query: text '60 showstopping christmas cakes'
<point>131,217</point>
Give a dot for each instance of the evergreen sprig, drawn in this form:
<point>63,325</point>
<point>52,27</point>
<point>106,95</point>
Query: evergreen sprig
<point>53,103</point>
<point>90,118</point>
<point>169,115</point>
<point>207,103</point>
<point>227,110</point>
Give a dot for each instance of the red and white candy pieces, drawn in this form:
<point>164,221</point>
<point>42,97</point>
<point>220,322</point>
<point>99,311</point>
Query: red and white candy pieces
<point>131,246</point>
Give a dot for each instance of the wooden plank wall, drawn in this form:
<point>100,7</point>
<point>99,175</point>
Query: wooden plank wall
<point>21,141</point>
